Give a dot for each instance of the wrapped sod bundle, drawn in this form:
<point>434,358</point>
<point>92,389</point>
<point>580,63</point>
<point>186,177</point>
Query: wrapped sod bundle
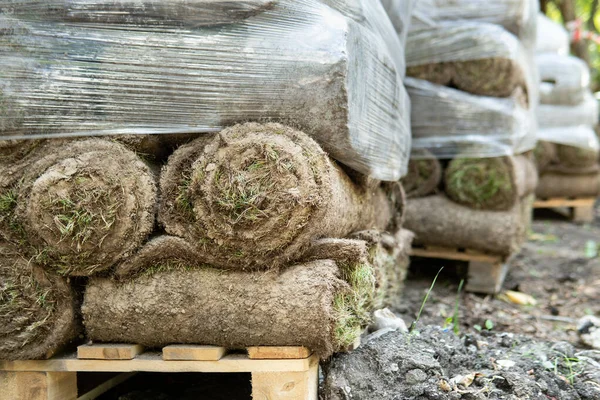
<point>256,195</point>
<point>564,80</point>
<point>552,38</point>
<point>37,310</point>
<point>321,304</point>
<point>477,58</point>
<point>78,207</point>
<point>517,16</point>
<point>295,61</point>
<point>448,122</point>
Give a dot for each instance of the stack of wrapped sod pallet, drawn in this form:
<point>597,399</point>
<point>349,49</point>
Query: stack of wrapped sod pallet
<point>567,151</point>
<point>207,172</point>
<point>471,175</point>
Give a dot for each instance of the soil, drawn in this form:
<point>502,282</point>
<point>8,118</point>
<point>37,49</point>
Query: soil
<point>559,266</point>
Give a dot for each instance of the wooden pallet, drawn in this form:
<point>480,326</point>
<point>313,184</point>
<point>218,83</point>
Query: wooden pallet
<point>486,272</point>
<point>579,210</point>
<point>278,373</point>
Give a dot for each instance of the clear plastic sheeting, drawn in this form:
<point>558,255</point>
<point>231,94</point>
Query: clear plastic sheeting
<point>298,62</point>
<point>451,123</point>
<point>400,13</point>
<point>185,13</point>
<point>585,113</point>
<point>564,79</point>
<point>517,16</point>
<point>581,136</point>
<point>551,37</point>
<point>372,15</point>
<point>462,41</point>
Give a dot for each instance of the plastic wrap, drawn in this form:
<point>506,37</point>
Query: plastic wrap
<point>400,13</point>
<point>499,61</point>
<point>564,79</point>
<point>451,123</point>
<point>184,13</point>
<point>551,37</point>
<point>372,15</point>
<point>584,113</point>
<point>578,136</point>
<point>517,16</point>
<point>298,62</point>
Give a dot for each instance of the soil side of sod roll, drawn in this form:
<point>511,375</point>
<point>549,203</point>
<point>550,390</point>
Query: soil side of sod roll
<point>77,208</point>
<point>38,314</point>
<point>438,221</point>
<point>256,195</point>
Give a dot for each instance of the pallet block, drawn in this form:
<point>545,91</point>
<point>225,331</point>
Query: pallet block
<point>579,210</point>
<point>486,272</point>
<point>293,375</point>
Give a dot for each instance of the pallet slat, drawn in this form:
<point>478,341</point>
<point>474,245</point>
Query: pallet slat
<point>109,351</point>
<point>193,353</point>
<point>277,352</point>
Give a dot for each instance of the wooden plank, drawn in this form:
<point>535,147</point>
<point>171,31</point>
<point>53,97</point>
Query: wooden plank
<point>38,385</point>
<point>153,362</point>
<point>564,202</point>
<point>277,352</point>
<point>106,386</point>
<point>108,351</point>
<point>486,277</point>
<point>193,353</point>
<point>287,385</point>
<point>453,254</point>
<point>583,214</point>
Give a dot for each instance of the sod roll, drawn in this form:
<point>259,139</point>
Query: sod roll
<point>545,155</point>
<point>37,310</point>
<point>438,221</point>
<point>424,176</point>
<point>256,195</point>
<point>576,157</point>
<point>78,208</point>
<point>557,184</point>
<point>313,304</point>
<point>495,184</point>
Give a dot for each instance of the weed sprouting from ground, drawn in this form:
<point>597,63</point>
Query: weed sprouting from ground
<point>413,325</point>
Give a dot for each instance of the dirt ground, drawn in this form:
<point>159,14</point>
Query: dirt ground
<point>559,267</point>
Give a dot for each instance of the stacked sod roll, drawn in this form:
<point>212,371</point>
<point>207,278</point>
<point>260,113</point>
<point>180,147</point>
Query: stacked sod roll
<point>138,204</point>
<point>259,225</point>
<point>568,149</point>
<point>471,79</point>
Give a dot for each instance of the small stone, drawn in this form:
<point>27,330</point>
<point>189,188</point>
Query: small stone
<point>589,331</point>
<point>415,376</point>
<point>384,318</point>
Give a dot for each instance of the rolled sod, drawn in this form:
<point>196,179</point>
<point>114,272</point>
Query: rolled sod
<point>557,184</point>
<point>78,208</point>
<point>424,176</point>
<point>495,184</point>
<point>576,157</point>
<point>256,195</point>
<point>385,254</point>
<point>545,154</point>
<point>168,300</point>
<point>494,77</point>
<point>38,313</point>
<point>438,221</point>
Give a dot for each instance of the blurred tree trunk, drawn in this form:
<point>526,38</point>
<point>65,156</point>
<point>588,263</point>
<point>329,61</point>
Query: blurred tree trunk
<point>579,48</point>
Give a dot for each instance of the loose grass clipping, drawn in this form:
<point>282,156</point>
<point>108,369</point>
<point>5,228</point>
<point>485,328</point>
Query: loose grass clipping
<point>79,207</point>
<point>495,184</point>
<point>37,309</point>
<point>256,195</point>
<point>165,295</point>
